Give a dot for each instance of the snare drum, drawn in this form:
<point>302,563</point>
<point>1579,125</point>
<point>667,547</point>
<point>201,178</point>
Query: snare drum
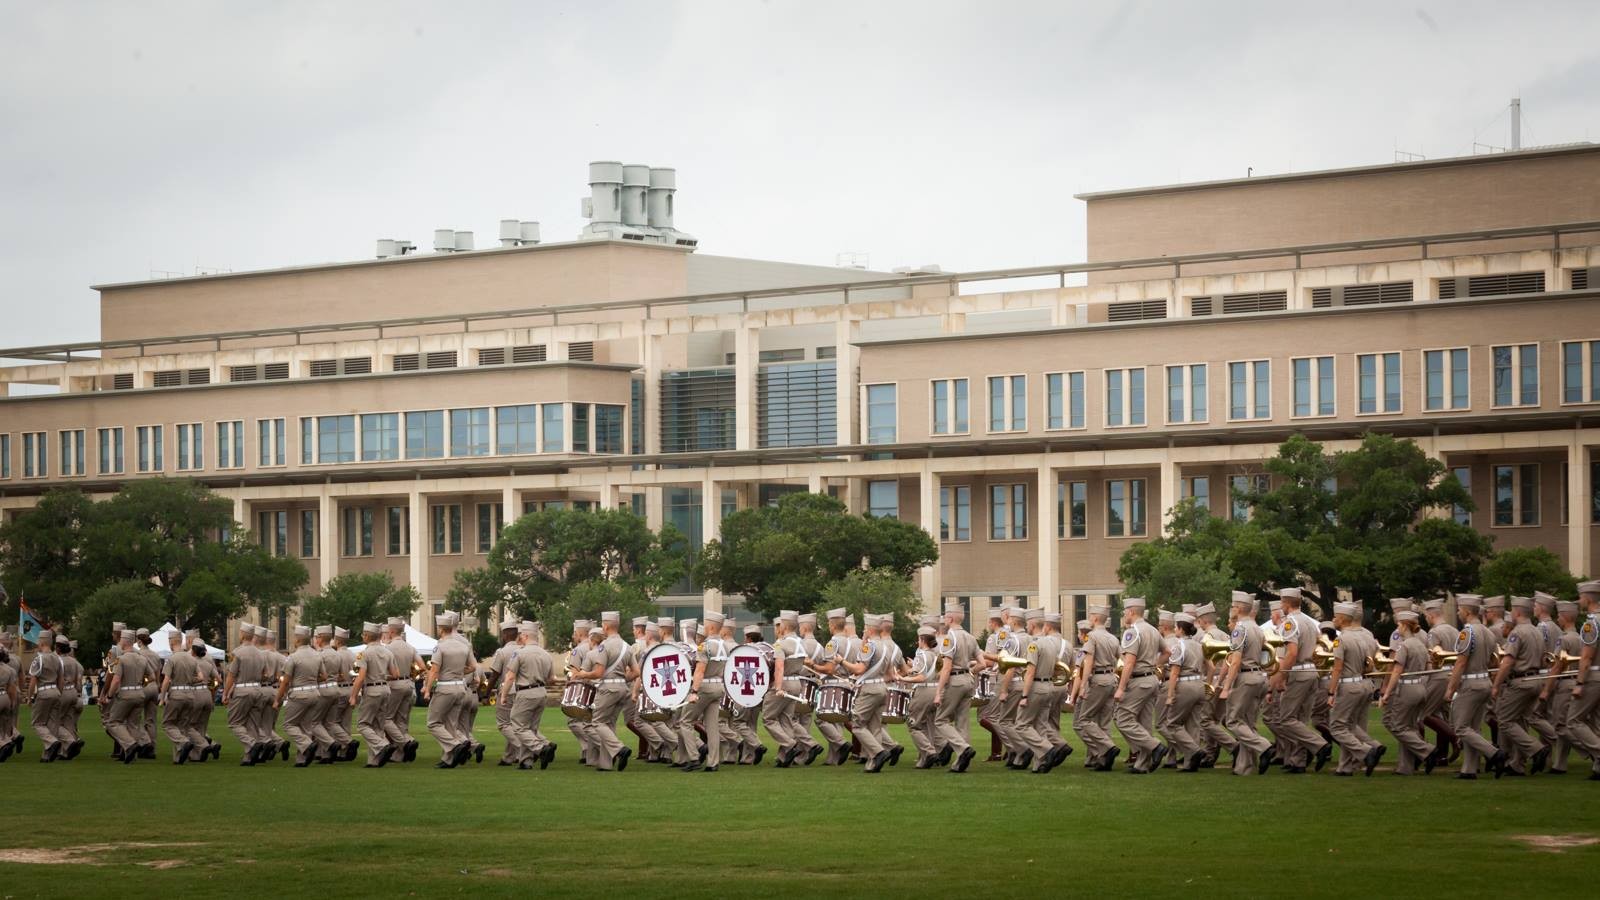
<point>649,711</point>
<point>726,708</point>
<point>985,688</point>
<point>896,701</point>
<point>577,700</point>
<point>835,703</point>
<point>807,695</point>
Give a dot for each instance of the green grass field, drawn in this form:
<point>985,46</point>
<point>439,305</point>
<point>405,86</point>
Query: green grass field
<point>101,829</point>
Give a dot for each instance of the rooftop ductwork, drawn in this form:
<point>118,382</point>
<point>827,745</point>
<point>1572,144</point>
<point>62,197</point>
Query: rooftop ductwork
<point>388,247</point>
<point>448,240</point>
<point>514,233</point>
<point>632,203</point>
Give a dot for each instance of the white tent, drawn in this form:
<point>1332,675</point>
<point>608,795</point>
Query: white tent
<point>162,645</point>
<point>415,638</point>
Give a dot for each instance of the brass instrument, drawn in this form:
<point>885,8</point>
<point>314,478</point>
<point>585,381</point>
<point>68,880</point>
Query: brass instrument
<point>1216,651</point>
<point>1380,664</point>
<point>1568,669</point>
<point>1061,676</point>
<point>1443,658</point>
<point>1271,644</point>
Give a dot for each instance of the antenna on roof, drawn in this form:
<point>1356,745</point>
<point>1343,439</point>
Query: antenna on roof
<point>1516,123</point>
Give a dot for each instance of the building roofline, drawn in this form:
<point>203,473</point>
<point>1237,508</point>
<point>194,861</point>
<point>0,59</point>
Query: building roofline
<point>386,261</point>
<point>1380,168</point>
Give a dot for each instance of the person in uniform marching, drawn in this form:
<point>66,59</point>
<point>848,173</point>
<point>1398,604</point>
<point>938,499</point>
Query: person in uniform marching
<point>829,666</point>
<point>467,711</point>
<point>867,664</point>
<point>989,711</point>
<point>922,676</point>
<point>329,746</point>
<point>705,698</point>
<point>1213,737</point>
<point>1004,715</point>
<point>67,711</point>
<point>211,677</point>
<point>1440,635</point>
<point>958,651</point>
<point>523,691</point>
<point>125,694</point>
<point>182,690</point>
<point>402,691</point>
<point>1468,688</point>
<point>813,653</point>
<point>497,666</point>
<point>1296,686</point>
<point>1349,696</point>
<point>648,749</point>
<point>1557,690</point>
<point>267,711</point>
<point>1242,687</point>
<point>1135,695</point>
<point>661,735</point>
<point>607,665</point>
<point>338,722</point>
<point>777,707</point>
<point>1583,711</point>
<point>10,698</point>
<point>369,695</point>
<point>1093,690</point>
<point>1037,697</point>
<point>241,680</point>
<point>1184,693</point>
<point>1405,695</point>
<point>44,685</point>
<point>1516,692</point>
<point>893,661</point>
<point>152,690</point>
<point>299,696</point>
<point>446,694</point>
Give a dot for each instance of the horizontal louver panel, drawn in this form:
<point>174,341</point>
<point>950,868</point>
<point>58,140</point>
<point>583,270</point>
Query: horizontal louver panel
<point>170,378</point>
<point>1200,306</point>
<point>197,376</point>
<point>1257,301</point>
<point>1491,285</point>
<point>275,371</point>
<point>581,350</point>
<point>321,368</point>
<point>407,362</point>
<point>1582,278</point>
<point>356,365</point>
<point>122,381</point>
<point>697,410</point>
<point>492,357</point>
<point>1321,298</point>
<point>1361,294</point>
<point>528,353</point>
<point>441,359</point>
<point>244,373</point>
<point>796,403</point>
<point>1136,310</point>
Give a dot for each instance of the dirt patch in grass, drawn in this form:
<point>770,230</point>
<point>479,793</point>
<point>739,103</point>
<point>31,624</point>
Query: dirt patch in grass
<point>85,854</point>
<point>1555,843</point>
<point>497,873</point>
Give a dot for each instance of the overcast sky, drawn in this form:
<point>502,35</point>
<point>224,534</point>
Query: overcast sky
<point>141,137</point>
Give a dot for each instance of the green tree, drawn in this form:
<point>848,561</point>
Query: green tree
<point>587,599</point>
<point>134,603</point>
<point>1171,578</point>
<point>876,591</point>
<point>1242,551</point>
<point>1523,570</point>
<point>541,557</point>
<point>350,599</point>
<point>785,556</point>
<point>42,559</point>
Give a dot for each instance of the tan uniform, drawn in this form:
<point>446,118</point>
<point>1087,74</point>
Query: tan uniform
<point>402,694</point>
<point>920,712</point>
<point>128,703</point>
<point>209,676</point>
<point>467,712</point>
<point>1402,715</point>
<point>777,711</point>
<point>866,719</point>
<point>1034,726</point>
<point>328,693</point>
<point>1213,709</point>
<point>1293,727</point>
<point>307,672</point>
<point>804,716</point>
<point>1182,714</point>
<point>832,732</point>
<point>611,692</point>
<point>1471,704</point>
<point>186,692</point>
<point>449,697</point>
<point>704,710</point>
<point>1136,712</point>
<point>341,660</point>
<point>530,669</point>
<point>152,692</point>
<point>273,666</point>
<point>1244,698</point>
<point>961,648</point>
<point>71,703</point>
<point>1091,720</point>
<point>8,707</point>
<point>249,690</point>
<point>47,693</point>
<point>498,664</point>
<point>376,663</point>
<point>1560,701</point>
<point>1006,712</point>
<point>1352,702</point>
<point>1519,694</point>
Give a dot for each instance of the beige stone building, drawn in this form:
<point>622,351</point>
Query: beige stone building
<point>393,414</point>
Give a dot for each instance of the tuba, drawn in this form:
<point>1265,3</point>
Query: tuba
<point>1216,651</point>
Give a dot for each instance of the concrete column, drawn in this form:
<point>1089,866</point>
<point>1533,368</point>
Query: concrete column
<point>1070,614</point>
<point>650,360</point>
<point>855,495</point>
<point>1430,447</point>
<point>555,350</point>
<point>844,337</point>
<point>816,484</point>
<point>611,495</point>
<point>241,510</point>
<point>928,501</point>
<point>746,351</point>
<point>1171,480</point>
<point>1579,559</point>
<point>327,534</point>
<point>422,619</point>
<point>711,529</point>
<point>1045,538</point>
<point>654,501</point>
<point>510,505</point>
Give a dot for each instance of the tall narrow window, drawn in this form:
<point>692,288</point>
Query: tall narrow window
<point>1377,383</point>
<point>1516,375</point>
<point>1580,372</point>
<point>490,515</point>
<point>882,414</point>
<point>191,447</point>
<point>608,419</point>
<point>230,445</point>
<point>1072,509</point>
<point>149,440</point>
<point>72,456</point>
<point>1313,386</point>
<point>308,440</point>
<point>955,513</point>
<point>446,528</point>
<point>425,434</point>
<point>883,499</point>
<point>1186,394</point>
<point>1064,399</point>
<point>5,456</point>
<point>1239,489</point>
<point>35,455</point>
<point>1008,512</point>
<point>1516,495</point>
<point>1124,397</point>
<point>469,432</point>
<point>580,428</point>
<point>554,427</point>
<point>1125,508</point>
<point>272,530</point>
<point>1445,379</point>
<point>399,530</point>
<point>269,442</point>
<point>950,406</point>
<point>1460,513</point>
<point>380,437</point>
<point>1250,390</point>
<point>111,451</point>
<point>1198,489</point>
<point>1008,403</point>
<point>308,534</point>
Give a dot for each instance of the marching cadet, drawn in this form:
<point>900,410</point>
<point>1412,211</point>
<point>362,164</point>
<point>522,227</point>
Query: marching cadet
<point>1468,689</point>
<point>1583,711</point>
<point>299,695</point>
<point>1094,688</point>
<point>1052,720</point>
<point>1405,694</point>
<point>44,684</point>
<point>267,712</point>
<point>1296,685</point>
<point>1350,692</point>
<point>578,660</point>
<point>1242,688</point>
<point>125,694</point>
<point>522,690</point>
<point>446,693</point>
<point>1213,737</point>
<point>369,694</point>
<point>826,664</point>
<point>630,705</point>
<point>402,691</point>
<point>1544,608</point>
<point>1439,635</point>
<point>664,734</point>
<point>182,690</point>
<point>211,678</point>
<point>813,651</point>
<point>989,712</point>
<point>607,666</point>
<point>958,651</point>
<point>922,675</point>
<point>1037,697</point>
<point>152,690</point>
<point>497,666</point>
<point>738,723</point>
<point>1005,715</point>
<point>705,697</point>
<point>240,686</point>
<point>1165,619</point>
<point>777,710</point>
<point>338,722</point>
<point>893,661</point>
<point>70,706</point>
<point>467,712</point>
<point>329,747</point>
<point>1516,692</point>
<point>1135,695</point>
<point>1557,690</point>
<point>867,665</point>
<point>10,700</point>
<point>1185,691</point>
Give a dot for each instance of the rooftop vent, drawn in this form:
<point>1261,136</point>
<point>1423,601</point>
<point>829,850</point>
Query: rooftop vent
<point>632,202</point>
<point>388,247</point>
<point>447,240</point>
<point>514,233</point>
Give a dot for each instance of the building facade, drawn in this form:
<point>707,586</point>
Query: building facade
<point>394,414</point>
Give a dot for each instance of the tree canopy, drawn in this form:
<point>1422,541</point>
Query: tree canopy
<point>784,556</point>
<point>1523,570</point>
<point>878,591</point>
<point>352,598</point>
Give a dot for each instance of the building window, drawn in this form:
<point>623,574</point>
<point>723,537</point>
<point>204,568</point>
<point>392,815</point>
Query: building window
<point>517,429</point>
<point>1125,502</point>
<point>336,439</point>
<point>446,530</point>
<point>1463,474</point>
<point>1313,386</point>
<point>35,454</point>
<point>1072,509</point>
<point>580,428</point>
<point>955,513</point>
<point>950,406</point>
<point>1008,512</point>
<point>883,499</point>
<point>308,440</point>
<point>191,447</point>
<point>1198,489</point>
<point>230,445</point>
<point>425,434</point>
<point>1186,394</point>
<point>608,428</point>
<point>357,530</point>
<point>1445,379</point>
<point>272,530</point>
<point>1580,372</point>
<point>1377,383</point>
<point>269,442</point>
<point>5,455</point>
<point>882,414</point>
<point>399,530</point>
<point>554,427</point>
<point>72,462</point>
<point>1124,397</point>
<point>111,461</point>
<point>490,516</point>
<point>148,438</point>
<point>308,534</point>
<point>1008,403</point>
<point>1594,493</point>
<point>1516,375</point>
<point>469,432</point>
<point>1516,495</point>
<point>380,437</point>
<point>1250,390</point>
<point>1064,400</point>
<point>1239,487</point>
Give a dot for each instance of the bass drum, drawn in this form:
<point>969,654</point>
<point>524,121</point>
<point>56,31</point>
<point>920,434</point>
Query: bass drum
<point>650,711</point>
<point>835,703</point>
<point>577,700</point>
<point>896,701</point>
<point>985,689</point>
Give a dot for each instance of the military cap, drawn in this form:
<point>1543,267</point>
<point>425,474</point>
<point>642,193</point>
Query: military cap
<point>509,623</point>
<point>715,618</point>
<point>1406,615</point>
<point>323,631</point>
<point>397,622</point>
<point>1543,599</point>
<point>1205,609</point>
<point>1134,603</point>
<point>808,618</point>
<point>837,613</point>
<point>526,628</point>
<point>1244,597</point>
<point>954,606</point>
<point>444,620</point>
<point>752,628</point>
<point>640,621</point>
<point>1346,608</point>
<point>1183,617</point>
<point>1052,618</point>
<point>341,633</point>
<point>301,631</point>
<point>664,621</point>
<point>1472,600</point>
<point>143,632</point>
<point>1589,587</point>
<point>1188,608</point>
<point>1033,615</point>
<point>1496,602</point>
<point>610,617</point>
<point>63,640</point>
<point>580,625</point>
<point>1274,605</point>
<point>118,626</point>
<point>1164,615</point>
<point>596,631</point>
<point>370,627</point>
<point>1290,593</point>
<point>127,635</point>
<point>928,619</point>
<point>925,631</point>
<point>1397,604</point>
<point>529,623</point>
<point>1522,603</point>
<point>886,619</point>
<point>1099,609</point>
<point>1433,605</point>
<point>730,622</point>
<point>869,620</point>
<point>1015,612</point>
<point>74,643</point>
<point>789,615</point>
<point>1570,607</point>
<point>1085,625</point>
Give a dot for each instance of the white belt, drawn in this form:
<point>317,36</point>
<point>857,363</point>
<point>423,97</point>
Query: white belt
<point>306,687</point>
<point>51,687</point>
<point>188,687</point>
<point>1189,677</point>
<point>448,683</point>
<point>613,681</point>
<point>125,690</point>
<point>328,684</point>
<point>711,681</point>
<point>1474,676</point>
<point>870,681</point>
<point>1594,668</point>
<point>1301,666</point>
<point>1413,680</point>
<point>1544,671</point>
<point>1352,679</point>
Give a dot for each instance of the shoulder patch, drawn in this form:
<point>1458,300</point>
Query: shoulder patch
<point>1033,647</point>
<point>946,642</point>
<point>1588,634</point>
<point>1463,640</point>
<point>1288,625</point>
<point>1238,631</point>
<point>1129,637</point>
